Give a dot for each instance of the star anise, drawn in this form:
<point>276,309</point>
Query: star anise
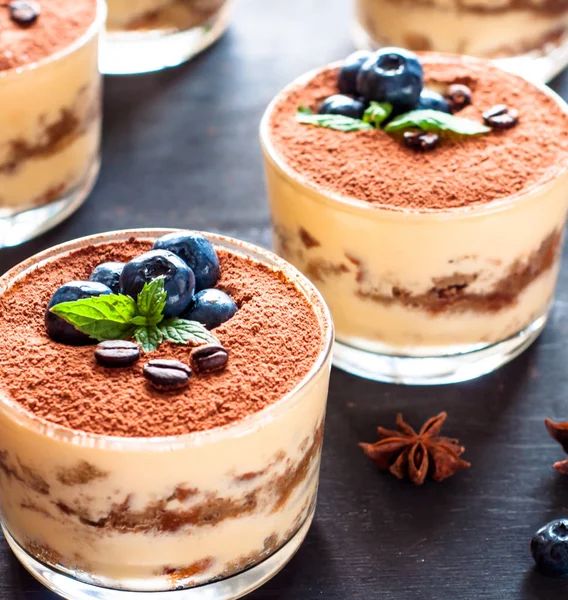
<point>406,453</point>
<point>559,432</point>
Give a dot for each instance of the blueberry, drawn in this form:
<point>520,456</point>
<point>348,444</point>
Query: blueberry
<point>197,252</point>
<point>211,308</point>
<point>109,274</point>
<point>179,281</point>
<point>347,79</point>
<point>342,105</point>
<point>57,328</point>
<point>430,100</point>
<point>391,75</point>
<point>549,548</point>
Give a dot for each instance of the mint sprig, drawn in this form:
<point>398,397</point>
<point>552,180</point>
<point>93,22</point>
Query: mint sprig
<point>119,317</point>
<point>337,122</point>
<point>435,121</point>
<point>377,112</point>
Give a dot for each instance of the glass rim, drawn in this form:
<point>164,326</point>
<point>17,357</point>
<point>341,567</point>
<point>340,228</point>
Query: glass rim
<point>356,205</point>
<point>42,426</point>
<point>94,28</point>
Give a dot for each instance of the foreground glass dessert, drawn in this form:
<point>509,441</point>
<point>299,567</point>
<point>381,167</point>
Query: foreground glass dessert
<point>149,35</point>
<point>435,241</point>
<point>51,113</point>
<point>527,38</point>
<point>135,475</point>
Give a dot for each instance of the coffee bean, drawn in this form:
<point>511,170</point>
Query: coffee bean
<point>421,140</point>
<point>209,358</point>
<point>24,13</point>
<point>458,96</point>
<point>501,117</point>
<point>166,374</point>
<point>117,353</point>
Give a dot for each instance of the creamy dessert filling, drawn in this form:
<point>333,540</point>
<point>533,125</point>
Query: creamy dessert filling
<point>196,426</point>
<point>425,234</point>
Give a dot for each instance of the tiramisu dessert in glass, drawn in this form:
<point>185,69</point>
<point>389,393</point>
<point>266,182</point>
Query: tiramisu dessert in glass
<point>149,35</point>
<point>162,401</point>
<point>528,38</point>
<point>426,198</point>
<point>51,112</point>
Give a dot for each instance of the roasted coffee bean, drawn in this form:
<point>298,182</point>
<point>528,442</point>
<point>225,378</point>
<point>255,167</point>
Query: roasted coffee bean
<point>458,96</point>
<point>501,117</point>
<point>24,13</point>
<point>421,140</point>
<point>209,358</point>
<point>117,353</point>
<point>166,374</point>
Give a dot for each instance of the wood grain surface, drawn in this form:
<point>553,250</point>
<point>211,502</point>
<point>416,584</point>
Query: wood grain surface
<point>181,149</point>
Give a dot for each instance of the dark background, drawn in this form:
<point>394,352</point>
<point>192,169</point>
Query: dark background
<point>181,149</point>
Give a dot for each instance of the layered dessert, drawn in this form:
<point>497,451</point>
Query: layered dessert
<point>162,407</point>
<point>487,28</point>
<point>167,31</point>
<point>424,196</point>
<point>51,117</point>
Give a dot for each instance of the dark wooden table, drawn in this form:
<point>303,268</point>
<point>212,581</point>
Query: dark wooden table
<point>181,149</point>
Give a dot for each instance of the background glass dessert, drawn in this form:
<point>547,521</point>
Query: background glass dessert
<point>149,35</point>
<point>226,506</point>
<point>51,116</point>
<point>424,290</point>
<point>528,38</point>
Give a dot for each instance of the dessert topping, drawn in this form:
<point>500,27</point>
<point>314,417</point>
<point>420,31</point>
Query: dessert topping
<point>421,140</point>
<point>406,453</point>
<point>337,122</point>
<point>430,100</point>
<point>559,432</point>
<point>347,79</point>
<point>24,13</point>
<point>120,317</point>
<point>501,117</point>
<point>339,104</point>
<point>436,121</point>
<point>108,274</point>
<point>178,279</point>
<point>549,548</point>
<point>458,97</point>
<point>209,358</point>
<point>377,112</point>
<point>211,308</point>
<point>166,374</point>
<point>197,252</point>
<point>117,353</point>
<point>391,75</point>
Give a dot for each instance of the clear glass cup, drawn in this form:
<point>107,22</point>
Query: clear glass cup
<point>149,35</point>
<point>364,259</point>
<point>208,516</point>
<point>524,37</point>
<point>50,127</point>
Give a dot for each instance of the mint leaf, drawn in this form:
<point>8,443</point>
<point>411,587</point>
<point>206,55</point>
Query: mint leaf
<point>377,113</point>
<point>182,331</point>
<point>151,302</point>
<point>337,122</point>
<point>104,317</point>
<point>436,121</point>
<point>305,110</point>
<point>149,337</point>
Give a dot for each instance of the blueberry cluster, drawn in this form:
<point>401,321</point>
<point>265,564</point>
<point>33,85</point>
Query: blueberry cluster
<point>390,75</point>
<point>189,266</point>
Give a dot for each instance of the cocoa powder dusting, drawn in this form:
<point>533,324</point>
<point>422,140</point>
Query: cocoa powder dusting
<point>59,24</point>
<point>273,341</point>
<point>376,167</point>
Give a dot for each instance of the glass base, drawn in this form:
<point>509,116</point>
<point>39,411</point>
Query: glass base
<point>19,227</point>
<point>435,370</point>
<point>227,589</point>
<point>539,66</point>
<point>128,53</point>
